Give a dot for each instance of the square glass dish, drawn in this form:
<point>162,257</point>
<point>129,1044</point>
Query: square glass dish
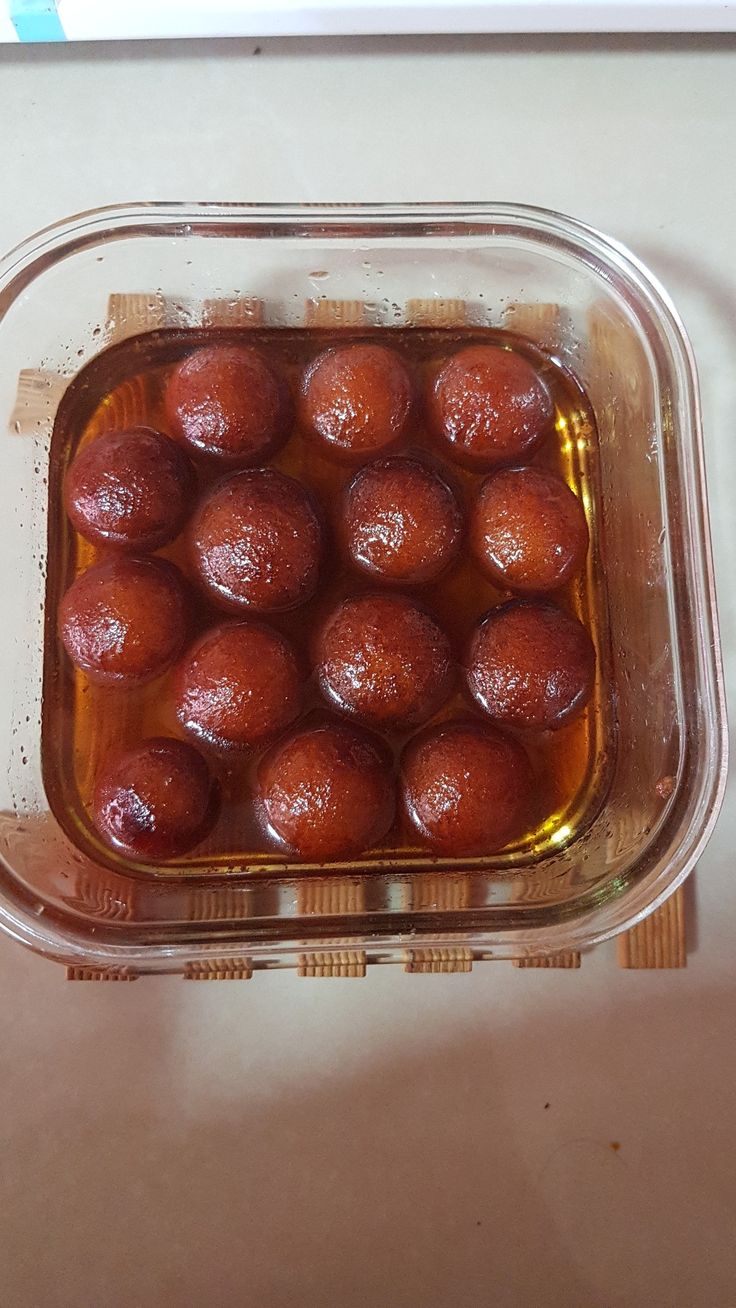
<point>649,762</point>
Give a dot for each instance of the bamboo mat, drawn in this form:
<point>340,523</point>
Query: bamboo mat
<point>659,941</point>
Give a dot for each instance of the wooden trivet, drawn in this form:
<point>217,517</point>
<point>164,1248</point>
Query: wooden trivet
<point>657,942</point>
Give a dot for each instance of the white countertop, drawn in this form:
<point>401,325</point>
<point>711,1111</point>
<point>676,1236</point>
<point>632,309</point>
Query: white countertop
<point>401,1141</point>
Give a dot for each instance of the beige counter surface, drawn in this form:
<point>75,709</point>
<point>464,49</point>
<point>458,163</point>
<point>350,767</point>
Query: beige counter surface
<point>510,1137</point>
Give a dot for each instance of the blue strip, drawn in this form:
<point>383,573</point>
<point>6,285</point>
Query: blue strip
<point>36,20</point>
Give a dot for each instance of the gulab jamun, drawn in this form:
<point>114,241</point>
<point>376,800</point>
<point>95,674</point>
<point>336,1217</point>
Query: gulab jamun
<point>238,685</point>
<point>385,660</point>
<point>466,788</point>
<point>156,800</point>
<point>490,406</point>
<point>327,792</point>
<point>255,541</point>
<point>125,620</point>
<point>528,530</point>
<point>531,665</point>
<point>227,401</point>
<point>130,489</point>
<point>401,521</point>
<point>357,399</point>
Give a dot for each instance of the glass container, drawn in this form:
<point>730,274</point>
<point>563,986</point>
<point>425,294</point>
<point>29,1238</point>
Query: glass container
<point>658,761</point>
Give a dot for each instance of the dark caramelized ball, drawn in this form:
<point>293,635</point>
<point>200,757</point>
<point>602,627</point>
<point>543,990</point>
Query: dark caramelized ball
<point>156,800</point>
<point>527,530</point>
<point>125,620</point>
<point>402,522</point>
<point>227,401</point>
<point>327,792</point>
<point>383,658</point>
<point>531,665</point>
<point>255,541</point>
<point>239,684</point>
<point>490,405</point>
<point>357,399</point>
<point>466,788</point>
<point>131,489</point>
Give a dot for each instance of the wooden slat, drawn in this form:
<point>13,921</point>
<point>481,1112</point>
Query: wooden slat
<point>97,895</point>
<point>209,905</point>
<point>540,323</point>
<point>453,959</point>
<point>438,892</point>
<point>335,313</point>
<point>219,969</point>
<point>333,962</point>
<point>436,313</point>
<point>244,311</point>
<point>331,897</point>
<point>659,941</point>
<point>36,401</point>
<point>130,315</point>
<point>570,959</point>
<point>100,974</point>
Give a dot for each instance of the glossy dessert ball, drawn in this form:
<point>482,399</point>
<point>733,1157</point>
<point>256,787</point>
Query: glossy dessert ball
<point>527,530</point>
<point>326,792</point>
<point>238,685</point>
<point>531,665</point>
<point>356,399</point>
<point>489,406</point>
<point>125,620</point>
<point>401,522</point>
<point>384,659</point>
<point>466,788</point>
<point>227,401</point>
<point>156,800</point>
<point>255,542</point>
<point>130,489</point>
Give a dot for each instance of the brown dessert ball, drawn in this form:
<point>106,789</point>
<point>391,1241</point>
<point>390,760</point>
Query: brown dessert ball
<point>156,800</point>
<point>130,489</point>
<point>527,530</point>
<point>384,659</point>
<point>125,620</point>
<point>357,399</point>
<point>227,401</point>
<point>466,788</point>
<point>402,522</point>
<point>255,541</point>
<point>326,792</point>
<point>238,685</point>
<point>490,406</point>
<point>531,665</point>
